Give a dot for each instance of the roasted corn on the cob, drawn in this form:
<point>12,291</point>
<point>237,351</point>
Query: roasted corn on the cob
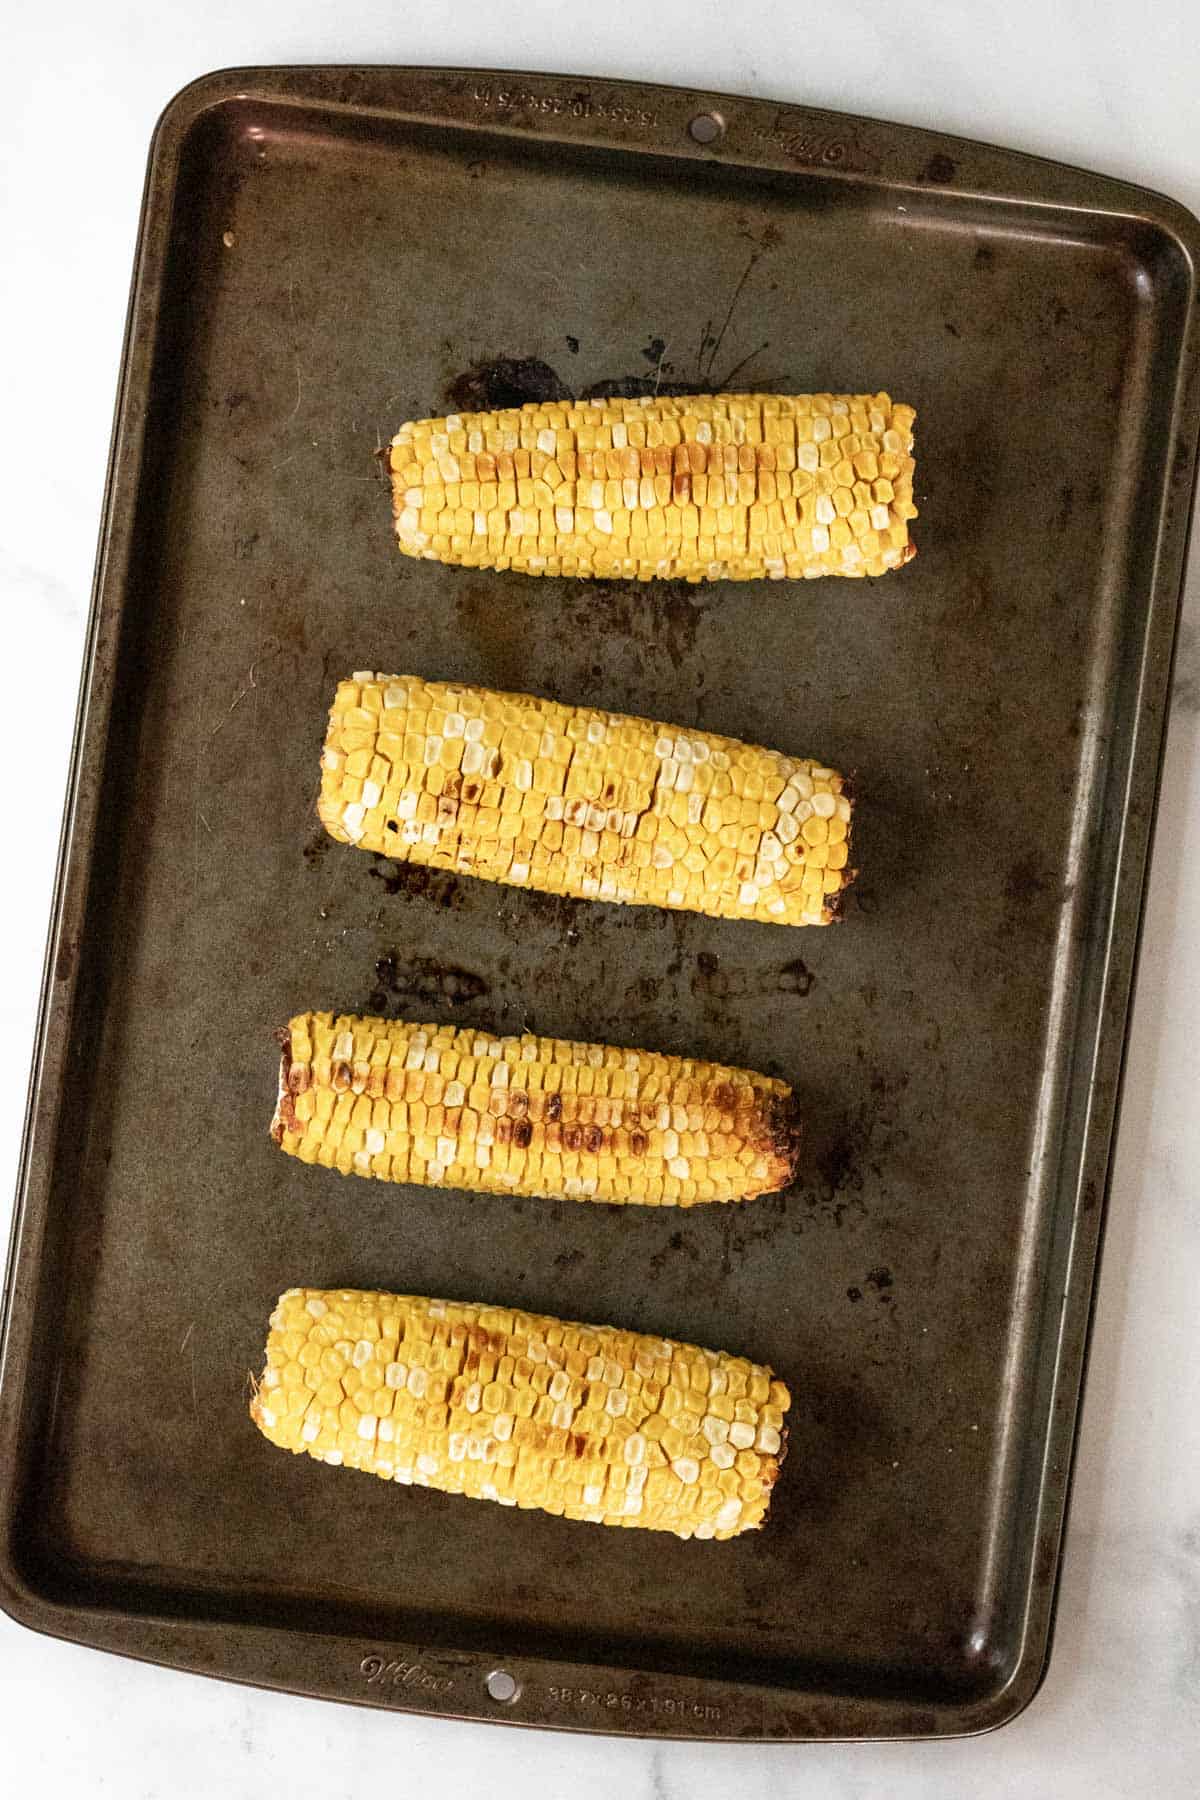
<point>529,1115</point>
<point>584,1421</point>
<point>703,488</point>
<point>576,801</point>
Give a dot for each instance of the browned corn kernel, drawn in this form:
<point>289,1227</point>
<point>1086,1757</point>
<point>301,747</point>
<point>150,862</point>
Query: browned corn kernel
<point>699,488</point>
<point>575,801</point>
<point>579,1423</point>
<point>528,1115</point>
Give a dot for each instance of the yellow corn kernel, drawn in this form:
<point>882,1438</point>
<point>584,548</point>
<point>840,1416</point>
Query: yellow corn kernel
<point>523,1437</point>
<point>539,1116</point>
<point>512,788</point>
<point>698,514</point>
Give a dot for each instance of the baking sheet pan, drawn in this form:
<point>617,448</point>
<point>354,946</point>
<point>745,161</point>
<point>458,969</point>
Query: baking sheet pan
<point>324,253</point>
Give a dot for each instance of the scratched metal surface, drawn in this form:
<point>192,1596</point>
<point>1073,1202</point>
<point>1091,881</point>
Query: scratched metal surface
<point>386,244</point>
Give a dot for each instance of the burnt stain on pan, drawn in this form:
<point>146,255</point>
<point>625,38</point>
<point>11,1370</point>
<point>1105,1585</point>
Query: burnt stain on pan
<point>837,1165</point>
<point>419,981</point>
<point>316,847</point>
<point>1026,881</point>
<point>881,1281</point>
<point>939,169</point>
<point>678,1243</point>
<point>558,913</point>
<point>494,384</point>
<point>711,982</point>
<point>795,978</point>
<point>847,1147</point>
<point>1032,896</point>
<point>502,382</point>
<point>436,887</point>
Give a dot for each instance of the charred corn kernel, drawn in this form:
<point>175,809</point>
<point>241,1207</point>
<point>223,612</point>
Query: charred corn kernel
<point>599,1462</point>
<point>590,804</point>
<point>537,1116</point>
<point>682,488</point>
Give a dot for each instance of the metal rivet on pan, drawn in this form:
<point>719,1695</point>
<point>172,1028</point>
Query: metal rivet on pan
<point>502,1686</point>
<point>707,128</point>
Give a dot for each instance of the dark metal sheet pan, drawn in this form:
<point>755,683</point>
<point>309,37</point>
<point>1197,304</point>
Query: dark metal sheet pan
<point>324,253</point>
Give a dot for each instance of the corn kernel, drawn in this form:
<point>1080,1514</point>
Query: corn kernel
<point>510,1439</point>
<point>552,494</point>
<point>535,793</point>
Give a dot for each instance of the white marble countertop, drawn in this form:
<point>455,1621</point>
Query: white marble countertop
<point>1107,86</point>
